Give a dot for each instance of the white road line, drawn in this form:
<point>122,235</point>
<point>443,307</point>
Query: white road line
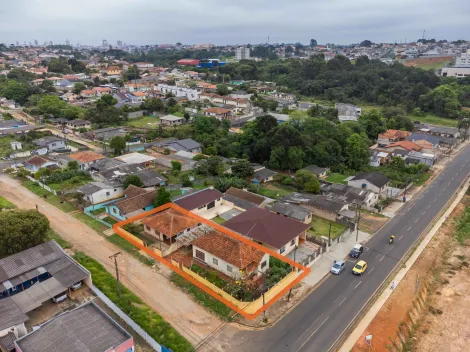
<point>400,237</point>
<point>371,270</point>
<point>416,220</point>
<point>313,333</point>
<point>309,327</point>
<point>409,228</point>
<point>337,299</point>
<point>390,248</point>
<point>377,256</point>
<point>382,258</point>
<point>360,282</point>
<point>430,205</point>
<point>340,303</point>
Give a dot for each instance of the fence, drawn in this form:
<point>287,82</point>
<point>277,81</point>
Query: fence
<point>142,333</point>
<point>324,246</point>
<point>46,187</point>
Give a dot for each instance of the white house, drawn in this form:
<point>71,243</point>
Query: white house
<point>39,162</point>
<point>179,92</point>
<point>371,181</point>
<point>99,192</point>
<point>200,201</point>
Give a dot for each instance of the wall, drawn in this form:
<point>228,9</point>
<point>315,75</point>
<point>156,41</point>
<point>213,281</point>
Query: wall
<point>46,187</point>
<point>101,196</point>
<point>369,186</point>
<point>220,266</point>
<point>114,211</point>
<point>321,213</point>
<point>218,202</point>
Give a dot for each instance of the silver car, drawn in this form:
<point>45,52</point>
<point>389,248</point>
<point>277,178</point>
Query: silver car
<point>338,267</point>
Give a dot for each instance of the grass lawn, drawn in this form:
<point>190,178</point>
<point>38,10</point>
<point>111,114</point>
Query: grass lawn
<point>273,191</point>
<point>201,297</point>
<point>431,65</point>
<point>5,204</point>
<point>52,235</point>
<point>435,120</point>
<point>109,220</point>
<point>133,306</point>
<point>94,224</point>
<point>218,220</point>
<point>67,185</point>
<point>321,227</point>
<point>337,178</point>
<point>128,247</point>
<point>144,122</point>
<point>50,198</point>
<point>98,211</point>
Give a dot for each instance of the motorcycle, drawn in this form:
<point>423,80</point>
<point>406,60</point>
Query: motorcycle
<point>390,241</point>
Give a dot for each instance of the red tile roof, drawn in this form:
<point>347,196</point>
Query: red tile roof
<point>229,249</point>
<point>408,145</point>
<point>86,156</point>
<point>217,111</point>
<point>38,160</point>
<point>266,227</point>
<point>393,134</point>
<point>139,201</point>
<point>169,222</point>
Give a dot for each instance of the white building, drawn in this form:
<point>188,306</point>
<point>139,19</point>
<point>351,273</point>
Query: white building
<point>98,192</point>
<point>463,60</point>
<point>458,72</point>
<point>242,53</point>
<point>190,94</point>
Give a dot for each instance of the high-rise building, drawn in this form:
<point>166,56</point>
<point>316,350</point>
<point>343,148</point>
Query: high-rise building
<point>242,53</point>
<point>119,43</point>
<point>463,60</point>
<point>35,42</point>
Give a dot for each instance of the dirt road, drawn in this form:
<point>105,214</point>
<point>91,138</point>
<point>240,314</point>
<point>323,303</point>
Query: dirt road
<point>186,316</point>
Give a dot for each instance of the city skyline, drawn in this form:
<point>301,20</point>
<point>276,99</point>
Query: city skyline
<point>196,22</point>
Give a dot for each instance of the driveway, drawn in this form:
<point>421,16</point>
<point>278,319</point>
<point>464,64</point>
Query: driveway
<point>186,316</point>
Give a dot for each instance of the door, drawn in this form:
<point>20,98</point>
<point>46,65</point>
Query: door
<point>211,205</point>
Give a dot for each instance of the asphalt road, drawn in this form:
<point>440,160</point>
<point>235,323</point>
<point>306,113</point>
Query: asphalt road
<point>317,322</point>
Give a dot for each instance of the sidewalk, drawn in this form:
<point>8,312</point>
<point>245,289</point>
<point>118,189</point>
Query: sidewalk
<point>322,267</point>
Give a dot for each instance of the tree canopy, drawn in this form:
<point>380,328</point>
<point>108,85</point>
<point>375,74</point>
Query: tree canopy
<point>132,180</point>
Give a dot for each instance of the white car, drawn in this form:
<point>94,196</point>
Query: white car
<point>338,267</point>
<point>76,286</point>
<point>60,297</point>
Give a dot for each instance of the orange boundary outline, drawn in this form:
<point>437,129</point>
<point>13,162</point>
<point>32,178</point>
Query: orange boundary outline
<point>124,234</point>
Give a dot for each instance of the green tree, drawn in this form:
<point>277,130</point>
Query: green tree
<point>295,157</point>
<point>20,230</point>
<point>186,181</point>
<point>242,169</point>
<point>72,165</point>
<point>175,167</point>
<point>51,104</point>
<point>78,87</point>
<point>357,151</point>
<point>154,104</point>
<point>132,180</point>
<point>187,117</point>
<point>306,180</point>
<point>163,197</point>
<point>118,143</point>
<point>222,89</point>
<point>215,165</point>
<point>19,92</point>
<point>132,73</point>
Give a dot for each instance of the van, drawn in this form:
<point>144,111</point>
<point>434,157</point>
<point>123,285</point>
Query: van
<point>60,297</point>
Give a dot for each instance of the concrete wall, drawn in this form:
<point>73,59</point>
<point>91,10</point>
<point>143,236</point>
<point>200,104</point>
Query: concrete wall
<point>369,186</point>
<point>203,208</point>
<point>105,195</point>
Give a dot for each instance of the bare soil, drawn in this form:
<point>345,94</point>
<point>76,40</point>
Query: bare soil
<point>386,322</point>
<point>370,223</point>
<point>431,60</point>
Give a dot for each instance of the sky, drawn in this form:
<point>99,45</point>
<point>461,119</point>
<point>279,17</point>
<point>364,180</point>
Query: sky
<point>236,22</point>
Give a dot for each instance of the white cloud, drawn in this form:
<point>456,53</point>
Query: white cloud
<point>243,21</point>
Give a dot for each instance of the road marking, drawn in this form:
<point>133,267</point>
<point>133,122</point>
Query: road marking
<point>324,321</point>
<point>430,205</point>
<point>390,248</point>
<point>360,282</point>
<point>377,256</point>
<point>371,270</point>
<point>340,303</point>
<point>367,248</point>
<point>382,258</point>
<point>337,299</point>
<point>416,220</point>
<point>409,228</point>
<point>352,261</point>
<point>400,237</point>
<point>309,327</point>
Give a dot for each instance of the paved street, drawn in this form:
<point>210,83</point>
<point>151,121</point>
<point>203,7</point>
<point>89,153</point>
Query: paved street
<point>317,322</point>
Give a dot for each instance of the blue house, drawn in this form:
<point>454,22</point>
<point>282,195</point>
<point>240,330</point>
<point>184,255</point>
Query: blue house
<point>136,200</point>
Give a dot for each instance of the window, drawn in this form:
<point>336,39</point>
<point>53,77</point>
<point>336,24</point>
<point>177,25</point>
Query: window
<point>188,229</point>
<point>200,255</point>
<point>115,190</point>
<point>282,250</point>
<point>263,264</point>
<point>107,194</point>
<point>309,216</point>
<point>292,242</point>
<point>215,261</point>
<point>114,211</point>
<point>229,268</point>
<point>147,228</point>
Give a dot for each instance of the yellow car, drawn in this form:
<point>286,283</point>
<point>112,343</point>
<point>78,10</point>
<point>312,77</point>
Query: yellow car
<point>359,268</point>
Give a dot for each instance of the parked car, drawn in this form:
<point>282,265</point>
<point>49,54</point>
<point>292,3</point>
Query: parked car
<point>359,268</point>
<point>338,267</point>
<point>60,297</point>
<point>76,286</point>
<point>356,251</point>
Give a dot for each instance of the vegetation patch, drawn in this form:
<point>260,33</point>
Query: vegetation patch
<point>133,306</point>
<point>89,221</point>
<point>5,204</point>
<point>462,229</point>
<point>56,201</point>
<point>321,227</point>
<point>129,248</point>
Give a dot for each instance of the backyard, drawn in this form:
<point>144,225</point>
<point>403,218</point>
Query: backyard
<point>144,122</point>
<point>435,120</point>
<point>321,227</point>
<point>49,197</point>
<point>337,178</point>
<point>274,191</point>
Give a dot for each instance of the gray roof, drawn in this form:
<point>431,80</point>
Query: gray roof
<point>264,174</point>
<point>322,202</point>
<point>430,138</point>
<point>10,314</point>
<point>11,123</point>
<point>376,178</point>
<point>93,187</point>
<point>84,329</point>
<point>43,142</point>
<point>344,192</point>
<point>107,129</point>
<point>317,170</point>
<point>289,210</point>
<point>79,122</point>
<point>171,118</point>
<point>150,177</point>
<point>7,341</point>
<point>187,144</point>
<point>105,164</point>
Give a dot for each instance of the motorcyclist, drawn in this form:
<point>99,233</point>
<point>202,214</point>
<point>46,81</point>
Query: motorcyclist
<point>392,237</point>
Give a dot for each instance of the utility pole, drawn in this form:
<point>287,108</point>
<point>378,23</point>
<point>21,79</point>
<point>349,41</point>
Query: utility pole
<point>117,271</point>
<point>329,236</point>
<point>358,219</point>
